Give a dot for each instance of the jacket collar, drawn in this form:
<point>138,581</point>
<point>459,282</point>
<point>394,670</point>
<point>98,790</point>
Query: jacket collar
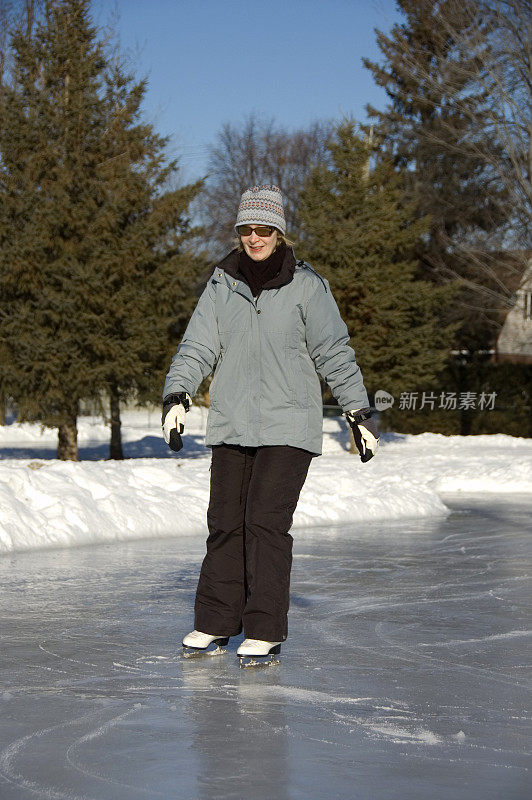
<point>230,266</point>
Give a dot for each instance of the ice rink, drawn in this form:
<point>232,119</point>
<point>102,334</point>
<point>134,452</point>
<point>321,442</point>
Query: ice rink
<point>406,674</point>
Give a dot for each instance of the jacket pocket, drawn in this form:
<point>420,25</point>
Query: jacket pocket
<point>212,385</point>
<point>299,413</point>
<point>298,382</point>
<point>229,381</point>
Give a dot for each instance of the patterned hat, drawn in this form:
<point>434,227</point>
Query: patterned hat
<point>262,205</point>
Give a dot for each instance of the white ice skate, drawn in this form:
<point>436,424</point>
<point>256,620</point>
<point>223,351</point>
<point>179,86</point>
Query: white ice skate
<point>258,653</point>
<point>203,644</point>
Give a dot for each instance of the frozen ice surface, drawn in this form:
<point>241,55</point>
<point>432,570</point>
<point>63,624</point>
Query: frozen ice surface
<point>406,675</point>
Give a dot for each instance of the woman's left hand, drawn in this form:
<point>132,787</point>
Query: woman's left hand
<point>365,432</point>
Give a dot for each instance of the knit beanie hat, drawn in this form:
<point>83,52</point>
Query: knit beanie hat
<point>262,205</point>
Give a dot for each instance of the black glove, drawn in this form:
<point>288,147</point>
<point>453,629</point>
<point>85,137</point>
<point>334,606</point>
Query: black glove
<point>175,407</point>
<point>365,432</point>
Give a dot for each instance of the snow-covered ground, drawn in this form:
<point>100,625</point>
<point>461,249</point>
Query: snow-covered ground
<point>155,493</point>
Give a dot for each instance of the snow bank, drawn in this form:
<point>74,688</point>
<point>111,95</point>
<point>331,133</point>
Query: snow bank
<point>47,503</point>
<point>496,463</point>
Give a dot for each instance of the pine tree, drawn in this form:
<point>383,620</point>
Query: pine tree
<point>143,277</point>
<point>437,115</point>
<point>362,237</point>
<point>91,265</point>
<point>49,129</point>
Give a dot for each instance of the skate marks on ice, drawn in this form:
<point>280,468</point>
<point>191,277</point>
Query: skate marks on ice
<point>133,741</point>
<point>32,754</point>
<point>342,714</point>
<point>330,739</point>
<point>87,755</point>
<point>226,715</point>
<point>405,673</point>
<point>74,704</point>
<point>441,623</point>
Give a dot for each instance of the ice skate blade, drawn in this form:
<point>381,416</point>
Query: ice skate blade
<point>254,662</point>
<point>196,652</point>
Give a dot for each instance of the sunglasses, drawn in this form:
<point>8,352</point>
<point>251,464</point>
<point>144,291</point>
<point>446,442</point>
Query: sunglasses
<point>261,230</point>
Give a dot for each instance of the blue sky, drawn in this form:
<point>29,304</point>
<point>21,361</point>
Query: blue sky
<point>215,61</point>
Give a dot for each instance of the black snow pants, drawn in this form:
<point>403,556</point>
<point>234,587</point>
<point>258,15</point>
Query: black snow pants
<point>245,576</point>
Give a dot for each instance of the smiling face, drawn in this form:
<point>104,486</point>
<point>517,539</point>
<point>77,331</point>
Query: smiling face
<point>259,247</point>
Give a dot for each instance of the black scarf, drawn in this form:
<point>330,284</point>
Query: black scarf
<point>258,273</point>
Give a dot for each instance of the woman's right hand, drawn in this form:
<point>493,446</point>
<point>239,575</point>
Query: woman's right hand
<point>175,407</point>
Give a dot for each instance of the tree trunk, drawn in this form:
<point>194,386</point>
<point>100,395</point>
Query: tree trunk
<point>2,409</point>
<point>67,446</point>
<point>353,449</point>
<point>465,423</point>
<point>465,415</point>
<point>115,449</point>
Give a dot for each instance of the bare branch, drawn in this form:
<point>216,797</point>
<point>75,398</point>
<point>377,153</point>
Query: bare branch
<point>257,151</point>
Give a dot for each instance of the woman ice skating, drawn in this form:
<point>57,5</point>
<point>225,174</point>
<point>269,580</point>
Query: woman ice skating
<point>265,324</point>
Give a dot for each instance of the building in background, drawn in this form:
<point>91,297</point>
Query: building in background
<point>514,343</point>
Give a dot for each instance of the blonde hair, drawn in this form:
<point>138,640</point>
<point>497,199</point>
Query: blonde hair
<point>281,239</point>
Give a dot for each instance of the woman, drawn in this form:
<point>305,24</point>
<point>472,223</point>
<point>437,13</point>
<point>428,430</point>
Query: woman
<point>265,323</point>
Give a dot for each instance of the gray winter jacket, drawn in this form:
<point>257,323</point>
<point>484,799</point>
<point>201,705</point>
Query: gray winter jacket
<point>265,354</point>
